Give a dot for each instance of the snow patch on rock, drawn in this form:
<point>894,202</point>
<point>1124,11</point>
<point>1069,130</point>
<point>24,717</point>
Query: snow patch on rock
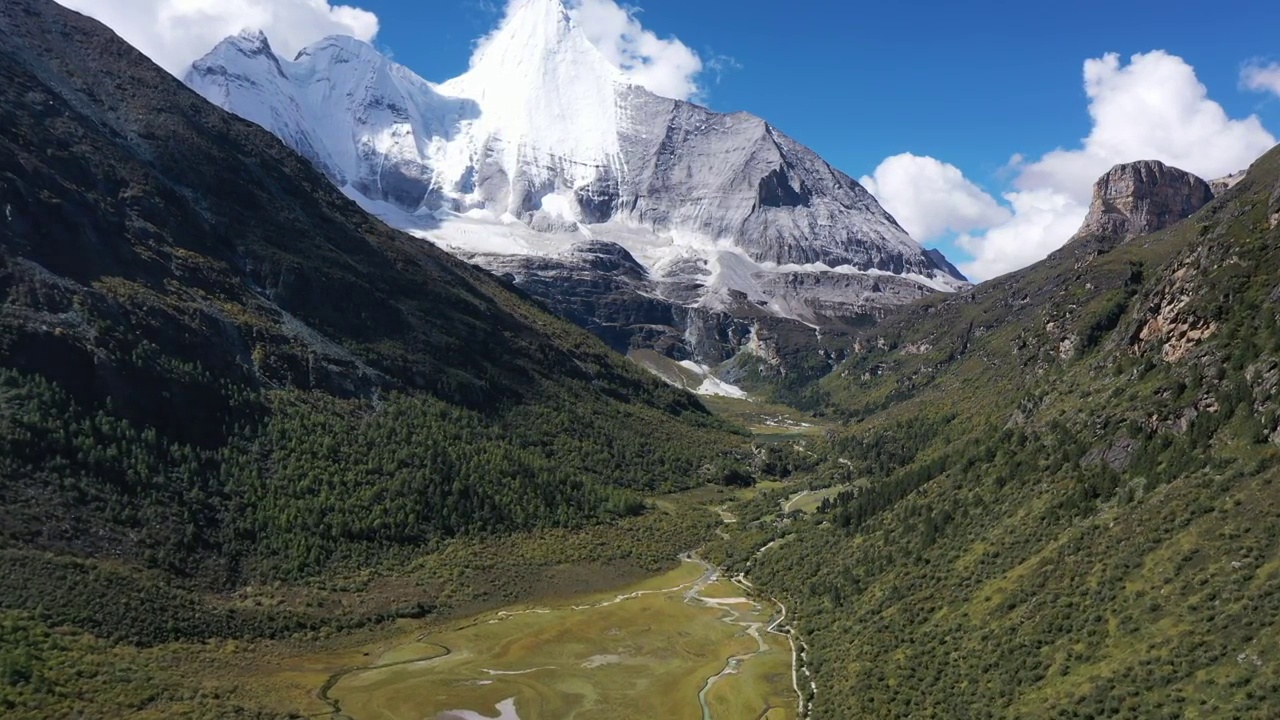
<point>711,385</point>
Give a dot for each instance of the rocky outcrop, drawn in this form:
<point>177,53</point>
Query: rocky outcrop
<point>1170,325</point>
<point>1136,199</point>
<point>1139,198</point>
<point>1226,182</point>
<point>1274,208</point>
<point>603,288</point>
<point>944,264</point>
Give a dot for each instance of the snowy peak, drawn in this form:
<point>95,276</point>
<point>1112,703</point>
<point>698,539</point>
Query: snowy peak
<point>543,145</point>
<point>548,108</point>
<point>251,41</point>
<point>537,47</point>
<point>538,34</point>
<point>364,120</point>
<point>243,52</point>
<point>338,50</point>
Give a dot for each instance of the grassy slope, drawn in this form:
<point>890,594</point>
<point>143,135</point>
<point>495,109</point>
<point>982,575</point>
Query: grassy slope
<point>1069,500</point>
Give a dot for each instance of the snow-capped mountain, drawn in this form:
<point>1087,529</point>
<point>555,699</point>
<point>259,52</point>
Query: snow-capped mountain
<point>655,222</point>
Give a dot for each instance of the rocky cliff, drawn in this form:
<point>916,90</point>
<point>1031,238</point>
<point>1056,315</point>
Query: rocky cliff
<point>1139,198</point>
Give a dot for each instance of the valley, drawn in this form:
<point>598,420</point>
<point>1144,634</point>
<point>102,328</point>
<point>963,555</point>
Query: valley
<point>543,625</point>
<point>684,644</point>
<point>706,434</point>
<point>577,638</point>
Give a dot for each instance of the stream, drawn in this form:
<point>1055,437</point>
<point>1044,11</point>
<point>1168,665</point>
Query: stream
<point>753,628</point>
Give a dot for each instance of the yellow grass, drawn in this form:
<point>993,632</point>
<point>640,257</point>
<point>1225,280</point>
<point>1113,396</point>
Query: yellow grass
<point>644,651</point>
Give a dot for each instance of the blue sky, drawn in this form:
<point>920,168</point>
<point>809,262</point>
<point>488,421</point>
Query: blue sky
<point>960,86</point>
<point>969,84</point>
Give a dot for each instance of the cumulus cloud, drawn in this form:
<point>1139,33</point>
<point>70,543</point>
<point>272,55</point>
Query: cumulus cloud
<point>174,33</point>
<point>1154,107</point>
<point>1042,220</point>
<point>665,66</point>
<point>929,197</point>
<point>1261,78</point>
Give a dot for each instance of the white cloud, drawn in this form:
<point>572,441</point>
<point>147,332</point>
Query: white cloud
<point>1041,222</point>
<point>930,198</point>
<point>721,65</point>
<point>1261,78</point>
<point>1152,108</point>
<point>174,33</point>
<point>666,67</point>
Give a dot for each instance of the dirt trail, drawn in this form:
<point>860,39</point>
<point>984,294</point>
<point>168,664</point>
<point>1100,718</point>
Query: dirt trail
<point>786,506</point>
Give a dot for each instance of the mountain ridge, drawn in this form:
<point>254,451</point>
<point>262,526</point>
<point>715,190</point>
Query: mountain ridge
<point>214,365</point>
<point>720,210</point>
<point>1055,494</point>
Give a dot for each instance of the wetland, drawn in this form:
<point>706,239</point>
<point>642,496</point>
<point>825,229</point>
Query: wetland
<point>689,643</point>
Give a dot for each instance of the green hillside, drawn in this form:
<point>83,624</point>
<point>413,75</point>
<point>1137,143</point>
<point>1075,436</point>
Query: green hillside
<point>215,370</point>
<point>1064,497</point>
<point>242,420</point>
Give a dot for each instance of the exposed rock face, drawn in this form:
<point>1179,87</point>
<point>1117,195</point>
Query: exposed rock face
<point>1275,208</point>
<point>1169,322</point>
<point>941,261</point>
<point>601,287</point>
<point>1139,198</point>
<point>1226,182</point>
<point>640,217</point>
